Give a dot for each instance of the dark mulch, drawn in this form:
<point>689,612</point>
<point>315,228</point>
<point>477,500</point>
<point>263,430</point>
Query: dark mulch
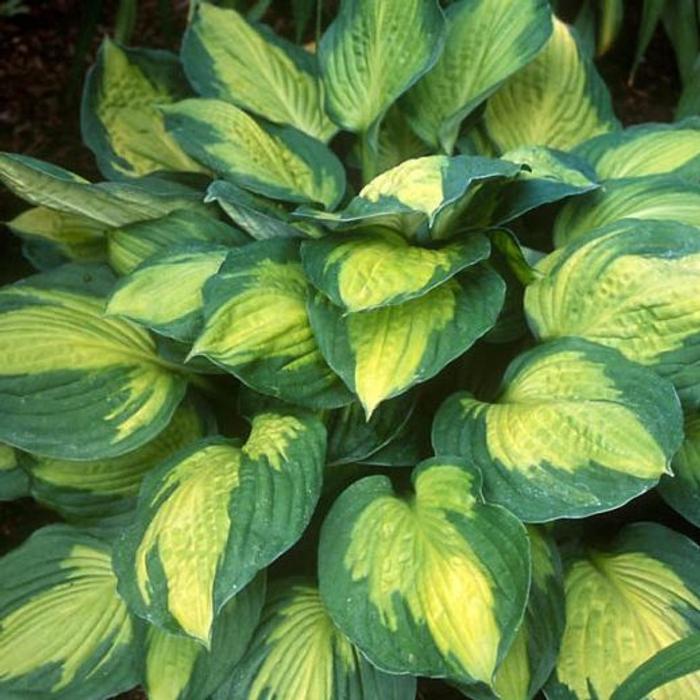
<point>41,68</point>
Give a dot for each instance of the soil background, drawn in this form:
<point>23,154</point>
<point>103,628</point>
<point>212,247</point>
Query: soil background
<point>44,52</point>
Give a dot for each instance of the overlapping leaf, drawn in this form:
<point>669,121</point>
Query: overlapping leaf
<point>383,352</point>
<point>103,491</point>
<point>178,668</point>
<point>434,584</point>
<point>74,384</point>
<point>557,100</point>
<point>647,149</point>
<point>257,326</point>
<point>531,658</point>
<point>178,276</point>
<point>576,429</point>
<point>378,267</point>
<point>623,604</point>
<point>664,197</point>
<point>632,286</point>
<point>373,52</point>
<point>65,632</point>
<point>298,651</point>
<point>278,162</point>
<point>213,515</point>
<point>486,42</point>
<point>129,246</point>
<point>120,119</point>
<point>227,58</point>
<point>107,203</point>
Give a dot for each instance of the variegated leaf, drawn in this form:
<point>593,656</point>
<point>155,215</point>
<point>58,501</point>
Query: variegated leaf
<point>431,584</point>
<point>576,429</point>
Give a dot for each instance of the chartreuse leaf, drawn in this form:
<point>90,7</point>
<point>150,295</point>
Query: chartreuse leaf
<point>178,276</point>
<point>672,662</point>
<point>130,245</point>
<point>666,197</point>
<point>486,42</point>
<point>373,52</point>
<point>417,191</point>
<point>179,668</point>
<point>257,327</point>
<point>228,58</point>
<point>120,119</point>
<point>14,481</point>
<point>624,603</point>
<point>431,584</point>
<point>378,267</point>
<point>682,490</point>
<point>213,515</point>
<point>633,286</point>
<point>278,162</point>
<point>74,384</point>
<point>259,217</point>
<point>647,149</point>
<point>297,651</point>
<point>107,203</point>
<point>104,491</point>
<point>77,237</point>
<point>384,352</point>
<point>65,632</point>
<point>531,658</point>
<point>353,438</point>
<point>577,429</point>
<point>557,100</point>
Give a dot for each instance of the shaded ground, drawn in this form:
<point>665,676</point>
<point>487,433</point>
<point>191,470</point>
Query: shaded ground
<point>43,55</point>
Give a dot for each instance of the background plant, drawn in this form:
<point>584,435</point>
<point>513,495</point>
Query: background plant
<point>226,274</point>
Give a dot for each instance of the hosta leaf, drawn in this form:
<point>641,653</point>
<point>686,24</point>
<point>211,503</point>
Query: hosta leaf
<point>120,119</point>
<point>432,584</point>
<point>666,197</point>
<point>74,384</point>
<point>278,162</point>
<point>14,481</point>
<point>531,658</point>
<point>353,438</point>
<point>104,491</point>
<point>75,236</point>
<point>673,661</point>
<point>384,352</point>
<point>257,327</point>
<point>228,58</point>
<point>177,276</point>
<point>486,42</point>
<point>131,245</point>
<point>65,632</point>
<point>633,286</point>
<point>682,490</point>
<point>213,515</point>
<point>373,52</point>
<point>623,604</point>
<point>577,429</point>
<point>178,668</point>
<point>259,217</point>
<point>298,652</point>
<point>378,267</point>
<point>548,176</point>
<point>557,100</point>
<point>107,203</point>
<point>409,446</point>
<point>417,191</point>
<point>647,149</point>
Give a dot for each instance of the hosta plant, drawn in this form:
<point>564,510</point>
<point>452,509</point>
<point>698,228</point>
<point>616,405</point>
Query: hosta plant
<point>329,376</point>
